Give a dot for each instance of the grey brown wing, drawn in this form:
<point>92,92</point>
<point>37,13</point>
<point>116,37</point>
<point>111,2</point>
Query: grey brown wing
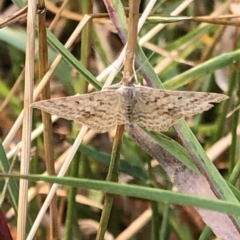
<point>157,110</point>
<point>98,111</point>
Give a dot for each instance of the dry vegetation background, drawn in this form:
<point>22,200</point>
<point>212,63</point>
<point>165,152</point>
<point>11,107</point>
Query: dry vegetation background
<point>191,54</point>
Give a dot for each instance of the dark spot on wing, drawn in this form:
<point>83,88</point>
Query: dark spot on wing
<point>153,100</point>
<point>88,114</point>
<point>91,98</point>
<point>173,110</point>
<point>156,99</point>
<point>101,111</point>
<point>104,103</point>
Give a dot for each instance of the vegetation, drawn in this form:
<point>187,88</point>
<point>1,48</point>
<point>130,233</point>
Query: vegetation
<point>165,181</point>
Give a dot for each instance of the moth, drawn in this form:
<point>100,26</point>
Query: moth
<point>154,109</point>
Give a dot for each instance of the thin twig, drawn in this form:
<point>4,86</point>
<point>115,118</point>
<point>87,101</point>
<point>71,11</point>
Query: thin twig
<point>27,120</point>
<point>46,118</point>
<point>115,156</point>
